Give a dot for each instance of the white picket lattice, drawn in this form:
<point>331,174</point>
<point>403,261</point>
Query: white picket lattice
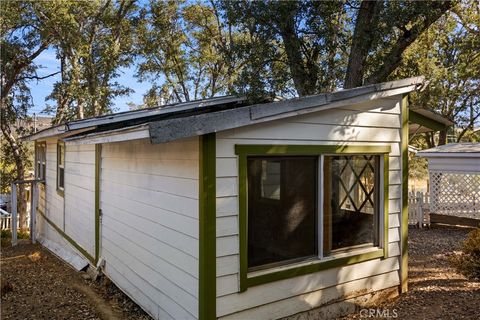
<point>455,193</point>
<point>418,209</point>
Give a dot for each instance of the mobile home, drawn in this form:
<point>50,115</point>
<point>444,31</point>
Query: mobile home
<point>223,209</point>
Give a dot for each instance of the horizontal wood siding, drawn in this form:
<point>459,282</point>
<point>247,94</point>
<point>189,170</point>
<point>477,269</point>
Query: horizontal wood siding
<point>54,202</point>
<point>376,123</point>
<point>149,231</point>
<point>80,195</point>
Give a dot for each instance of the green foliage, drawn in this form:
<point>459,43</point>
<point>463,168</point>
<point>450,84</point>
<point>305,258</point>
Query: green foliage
<point>7,234</point>
<point>186,52</point>
<point>448,55</point>
<point>468,263</point>
<point>93,40</point>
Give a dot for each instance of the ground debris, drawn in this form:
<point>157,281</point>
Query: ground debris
<point>37,285</point>
<point>436,289</point>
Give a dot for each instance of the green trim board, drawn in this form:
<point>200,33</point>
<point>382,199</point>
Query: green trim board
<point>314,267</point>
<point>404,217</point>
<point>207,224</point>
<point>420,119</point>
<point>249,150</point>
<point>308,149</point>
<point>67,237</point>
<point>98,159</point>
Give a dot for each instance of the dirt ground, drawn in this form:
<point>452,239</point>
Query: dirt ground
<point>436,290</point>
<point>37,285</point>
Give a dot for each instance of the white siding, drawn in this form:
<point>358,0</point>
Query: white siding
<point>80,195</point>
<point>54,202</point>
<point>376,123</point>
<point>149,232</point>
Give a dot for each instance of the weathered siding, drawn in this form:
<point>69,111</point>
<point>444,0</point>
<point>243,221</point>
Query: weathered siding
<point>376,123</point>
<point>149,231</point>
<point>80,195</point>
<point>54,202</point>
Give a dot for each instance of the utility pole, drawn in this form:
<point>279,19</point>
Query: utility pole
<point>34,122</point>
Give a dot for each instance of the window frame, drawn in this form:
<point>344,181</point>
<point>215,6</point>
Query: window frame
<point>40,166</point>
<point>253,278</point>
<point>60,190</point>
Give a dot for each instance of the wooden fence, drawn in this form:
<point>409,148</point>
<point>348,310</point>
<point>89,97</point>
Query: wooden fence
<point>418,209</point>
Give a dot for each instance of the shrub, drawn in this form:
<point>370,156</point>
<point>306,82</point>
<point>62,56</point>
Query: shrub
<point>468,263</point>
<point>7,234</point>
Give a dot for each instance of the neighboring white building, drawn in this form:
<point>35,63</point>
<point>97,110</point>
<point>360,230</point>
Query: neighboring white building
<point>454,174</point>
<point>220,209</point>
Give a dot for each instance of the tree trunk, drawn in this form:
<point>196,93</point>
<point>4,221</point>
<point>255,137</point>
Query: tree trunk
<point>303,78</point>
<point>442,137</point>
<point>361,42</point>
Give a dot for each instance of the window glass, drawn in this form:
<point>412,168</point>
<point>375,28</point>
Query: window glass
<point>281,209</point>
<point>40,157</point>
<point>61,166</point>
<point>350,208</point>
<point>270,181</point>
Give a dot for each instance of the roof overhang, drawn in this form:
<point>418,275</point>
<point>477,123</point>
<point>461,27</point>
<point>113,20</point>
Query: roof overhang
<point>173,129</point>
<point>423,120</point>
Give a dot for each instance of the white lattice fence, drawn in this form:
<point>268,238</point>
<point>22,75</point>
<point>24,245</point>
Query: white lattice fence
<point>455,193</point>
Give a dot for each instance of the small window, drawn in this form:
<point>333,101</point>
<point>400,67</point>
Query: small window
<point>61,166</point>
<point>282,209</point>
<point>40,160</point>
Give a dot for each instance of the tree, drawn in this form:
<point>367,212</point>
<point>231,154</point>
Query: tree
<point>186,51</point>
<point>448,54</point>
<point>23,39</point>
<point>321,43</point>
<point>93,40</point>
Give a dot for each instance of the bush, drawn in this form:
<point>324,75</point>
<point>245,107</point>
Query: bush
<point>7,234</point>
<point>468,263</point>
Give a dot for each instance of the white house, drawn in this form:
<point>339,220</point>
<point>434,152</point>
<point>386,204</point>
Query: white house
<point>454,175</point>
<point>222,209</point>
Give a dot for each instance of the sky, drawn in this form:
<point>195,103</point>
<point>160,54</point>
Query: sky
<point>41,89</point>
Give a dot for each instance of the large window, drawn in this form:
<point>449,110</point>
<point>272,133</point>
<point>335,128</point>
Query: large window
<point>306,208</point>
<point>281,209</point>
<point>60,167</point>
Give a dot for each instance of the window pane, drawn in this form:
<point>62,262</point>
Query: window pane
<point>61,155</point>
<point>270,182</point>
<point>61,178</point>
<point>351,202</point>
<point>281,209</point>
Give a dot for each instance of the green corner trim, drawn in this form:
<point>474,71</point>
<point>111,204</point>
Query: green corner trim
<point>67,237</point>
<point>245,150</point>
<point>386,201</point>
<point>98,159</point>
<point>404,219</point>
<point>424,121</point>
<point>207,224</point>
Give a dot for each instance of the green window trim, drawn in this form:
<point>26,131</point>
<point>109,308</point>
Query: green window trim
<point>253,150</point>
<point>60,190</point>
